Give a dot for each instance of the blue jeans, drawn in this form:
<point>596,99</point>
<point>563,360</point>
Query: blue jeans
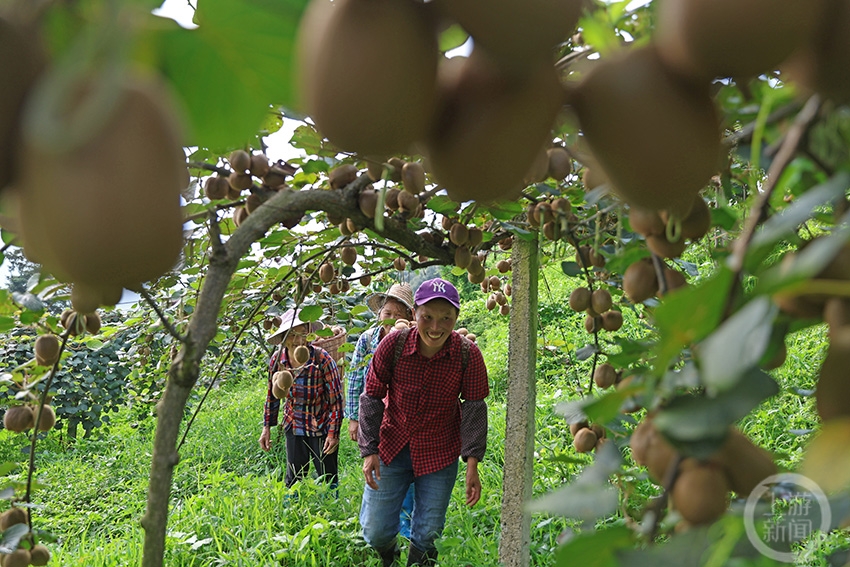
<point>406,513</point>
<point>379,512</point>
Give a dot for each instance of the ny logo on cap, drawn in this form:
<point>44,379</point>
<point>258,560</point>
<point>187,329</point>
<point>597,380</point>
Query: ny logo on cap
<point>439,286</point>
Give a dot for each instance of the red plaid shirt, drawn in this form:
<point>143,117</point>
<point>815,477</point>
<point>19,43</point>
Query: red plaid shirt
<point>424,405</point>
<point>314,405</point>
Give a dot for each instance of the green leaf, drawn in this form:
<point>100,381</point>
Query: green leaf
<point>690,314</point>
<point>310,313</point>
<point>693,418</point>
<point>504,210</point>
<point>570,268</point>
<point>233,67</point>
<point>442,204</point>
<point>724,217</point>
<point>737,345</point>
<point>6,324</point>
<point>595,548</point>
<point>452,37</point>
<point>358,309</point>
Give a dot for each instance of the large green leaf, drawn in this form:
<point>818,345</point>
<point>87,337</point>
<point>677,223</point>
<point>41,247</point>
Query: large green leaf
<point>595,548</point>
<point>233,67</point>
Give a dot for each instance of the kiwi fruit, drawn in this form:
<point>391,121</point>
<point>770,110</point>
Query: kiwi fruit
<point>660,246</point>
<point>476,276</point>
<point>396,166</point>
<point>600,300</point>
<point>344,229</point>
<point>506,243</point>
<point>240,160</point>
<point>472,337</point>
<point>639,281</point>
<point>19,558</point>
<point>365,280</point>
<point>530,215</point>
<point>253,202</point>
<point>584,440</point>
<point>463,331</point>
<point>604,376</point>
<point>13,516</point>
<point>539,169</point>
<point>342,175</point>
<point>598,430</point>
<point>659,455</point>
<point>504,266</point>
<point>413,177</point>
<point>501,298</point>
<point>580,299</point>
<point>240,181</point>
<point>593,177</point>
<point>831,397</point>
<point>459,234</point>
<point>475,237</point>
<point>745,463</point>
<point>562,206</point>
<point>300,355</point>
<point>583,256</point>
<point>700,493</point>
<point>385,47</point>
<point>18,419</point>
<point>348,255</point>
<point>698,221</point>
<point>462,257</point>
<point>239,215</point>
<point>504,309</point>
<point>375,168</point>
<point>578,426</point>
<point>640,120</point>
<point>47,419</point>
<point>408,202</point>
<point>495,283</point>
<point>596,258</point>
<point>592,324</point>
<point>491,302</point>
<point>646,221</point>
<point>22,60</point>
<point>47,349</point>
<point>326,272</point>
<point>674,279</point>
<point>515,33</point>
<point>283,378</point>
<point>367,201</point>
<point>39,555</point>
<point>400,264</point>
<point>277,392</point>
<point>543,212</point>
<point>612,320</point>
<point>215,187</point>
<point>259,166</point>
<point>559,163</point>
<point>105,185</point>
<point>705,39</point>
<point>486,118</point>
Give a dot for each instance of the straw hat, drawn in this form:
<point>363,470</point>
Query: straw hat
<point>288,320</point>
<point>400,292</point>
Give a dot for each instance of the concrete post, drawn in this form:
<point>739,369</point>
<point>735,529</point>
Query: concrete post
<point>514,546</point>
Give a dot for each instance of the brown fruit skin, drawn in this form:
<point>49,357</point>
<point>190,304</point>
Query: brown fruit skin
<point>301,354</point>
<point>365,280</point>
<point>705,39</point>
<point>598,430</point>
<point>831,397</point>
<point>592,324</point>
<point>348,255</point>
<point>21,61</point>
<point>700,493</point>
<point>400,264</point>
<point>259,165</point>
<point>504,266</point>
<point>463,257</point>
<point>515,32</point>
<point>612,320</point>
<point>240,181</point>
<point>660,246</point>
<point>745,463</point>
<point>651,450</point>
<point>698,221</point>
<point>600,301</point>
<point>385,47</point>
<point>674,279</point>
<point>215,187</point>
<point>560,163</point>
<point>240,160</point>
<point>124,214</point>
<point>407,202</point>
<point>639,281</point>
<point>13,516</point>
<point>584,440</point>
<point>504,309</point>
<point>18,558</point>
<point>485,119</point>
<point>39,555</point>
<point>48,418</point>
<point>368,202</point>
<point>326,272</point>
<point>645,221</point>
<point>639,121</point>
<point>475,237</point>
<point>18,419</point>
<point>576,427</point>
<point>283,379</point>
<point>604,376</point>
<point>413,177</point>
<point>92,323</point>
<point>341,176</point>
<point>580,299</point>
<point>47,350</point>
<point>459,234</point>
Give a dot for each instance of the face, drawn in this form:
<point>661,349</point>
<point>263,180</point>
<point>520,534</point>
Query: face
<point>434,322</point>
<point>297,336</point>
<point>392,309</point>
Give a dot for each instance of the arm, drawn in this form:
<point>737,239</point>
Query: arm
<point>356,380</point>
<point>271,409</point>
<point>333,392</point>
<point>473,422</point>
<point>372,411</point>
<point>473,482</point>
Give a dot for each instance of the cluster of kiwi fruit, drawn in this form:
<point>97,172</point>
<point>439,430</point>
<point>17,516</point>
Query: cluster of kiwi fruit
<point>640,280</point>
<point>700,487</point>
<point>498,297</point>
<point>464,114</point>
<point>597,305</point>
<point>586,436</point>
<point>97,206</point>
<point>466,241</point>
<point>282,382</point>
<point>463,331</point>
<point>33,553</point>
<point>23,417</point>
<point>552,216</point>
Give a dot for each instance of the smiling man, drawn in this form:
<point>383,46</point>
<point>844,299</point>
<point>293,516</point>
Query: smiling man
<point>435,382</point>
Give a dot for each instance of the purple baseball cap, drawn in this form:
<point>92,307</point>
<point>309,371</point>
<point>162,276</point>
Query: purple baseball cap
<point>437,289</point>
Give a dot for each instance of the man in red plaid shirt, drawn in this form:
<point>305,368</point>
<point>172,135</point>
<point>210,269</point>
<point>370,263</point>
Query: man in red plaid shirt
<point>435,413</point>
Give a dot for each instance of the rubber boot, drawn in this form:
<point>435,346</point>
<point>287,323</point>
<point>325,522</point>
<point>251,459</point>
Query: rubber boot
<point>389,555</point>
<point>419,557</point>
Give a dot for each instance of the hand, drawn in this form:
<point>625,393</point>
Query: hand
<point>266,439</point>
<point>372,470</point>
<point>473,482</point>
<point>353,427</point>
<point>331,445</point>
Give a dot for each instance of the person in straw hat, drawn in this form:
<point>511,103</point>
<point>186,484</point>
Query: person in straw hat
<point>312,412</point>
<point>389,308</point>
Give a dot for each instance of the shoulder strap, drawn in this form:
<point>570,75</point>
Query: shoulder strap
<point>399,345</point>
<point>464,353</point>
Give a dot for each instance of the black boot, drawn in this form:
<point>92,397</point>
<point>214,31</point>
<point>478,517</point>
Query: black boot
<point>419,557</point>
<point>389,555</point>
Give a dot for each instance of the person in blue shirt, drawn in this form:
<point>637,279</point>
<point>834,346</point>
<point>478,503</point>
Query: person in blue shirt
<point>389,307</point>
